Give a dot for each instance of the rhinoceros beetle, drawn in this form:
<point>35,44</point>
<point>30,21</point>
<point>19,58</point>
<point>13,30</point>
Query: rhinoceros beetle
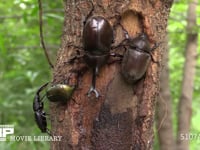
<point>97,39</point>
<point>56,93</point>
<point>136,58</point>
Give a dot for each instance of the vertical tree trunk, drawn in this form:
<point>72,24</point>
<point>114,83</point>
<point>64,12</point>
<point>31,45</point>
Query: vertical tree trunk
<point>122,117</point>
<point>185,102</point>
<point>164,111</point>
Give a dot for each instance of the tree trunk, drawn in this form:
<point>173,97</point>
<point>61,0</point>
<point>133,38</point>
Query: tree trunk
<point>164,111</point>
<point>122,117</point>
<point>185,102</point>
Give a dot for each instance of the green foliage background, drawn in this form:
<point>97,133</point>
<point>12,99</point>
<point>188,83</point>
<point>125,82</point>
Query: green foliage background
<point>177,42</point>
<point>23,67</point>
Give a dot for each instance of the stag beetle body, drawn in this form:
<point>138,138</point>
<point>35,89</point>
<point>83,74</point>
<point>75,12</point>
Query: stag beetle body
<point>136,58</point>
<point>97,40</point>
<point>40,115</point>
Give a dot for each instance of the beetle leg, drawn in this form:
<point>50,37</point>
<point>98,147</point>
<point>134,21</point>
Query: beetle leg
<point>73,99</point>
<point>115,60</point>
<point>96,70</point>
<point>116,55</point>
<point>92,88</point>
<point>41,88</point>
<point>40,100</point>
<point>45,115</point>
<point>119,45</point>
<point>79,54</point>
<point>90,13</point>
<point>48,132</point>
<point>43,99</point>
<point>152,58</point>
<point>123,42</point>
<point>71,60</point>
<point>156,45</point>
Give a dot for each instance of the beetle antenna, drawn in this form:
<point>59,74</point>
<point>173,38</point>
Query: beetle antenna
<point>41,34</point>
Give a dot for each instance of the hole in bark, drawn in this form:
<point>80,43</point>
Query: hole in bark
<point>132,22</point>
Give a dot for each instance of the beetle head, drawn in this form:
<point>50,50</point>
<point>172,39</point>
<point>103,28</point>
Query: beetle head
<point>141,43</point>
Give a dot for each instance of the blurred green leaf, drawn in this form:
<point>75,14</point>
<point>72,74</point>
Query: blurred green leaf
<point>23,66</point>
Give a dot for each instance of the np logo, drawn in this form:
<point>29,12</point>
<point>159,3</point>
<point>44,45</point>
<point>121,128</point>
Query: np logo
<point>5,130</point>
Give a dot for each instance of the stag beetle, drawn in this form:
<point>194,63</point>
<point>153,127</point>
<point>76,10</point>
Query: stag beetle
<point>40,115</point>
<point>59,92</point>
<point>136,58</point>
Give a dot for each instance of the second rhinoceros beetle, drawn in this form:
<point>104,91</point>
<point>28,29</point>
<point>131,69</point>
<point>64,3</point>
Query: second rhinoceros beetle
<point>97,40</point>
<point>136,58</point>
<point>56,93</point>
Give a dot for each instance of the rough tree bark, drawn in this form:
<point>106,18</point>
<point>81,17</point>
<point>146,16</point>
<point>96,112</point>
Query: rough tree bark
<point>122,118</point>
<point>164,110</point>
<point>185,102</point>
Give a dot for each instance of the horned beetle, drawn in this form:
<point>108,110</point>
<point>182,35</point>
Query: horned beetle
<point>97,39</point>
<point>137,57</point>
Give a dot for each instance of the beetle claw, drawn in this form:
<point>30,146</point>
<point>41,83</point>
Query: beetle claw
<point>92,89</point>
<point>49,132</point>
